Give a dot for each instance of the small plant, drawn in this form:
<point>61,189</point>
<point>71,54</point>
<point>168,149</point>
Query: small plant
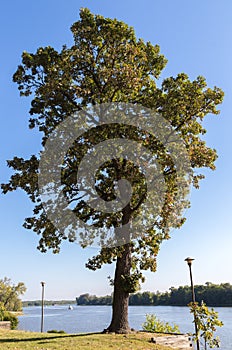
<point>56,331</point>
<point>153,324</point>
<point>206,321</point>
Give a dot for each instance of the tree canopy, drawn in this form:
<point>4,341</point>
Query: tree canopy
<point>107,64</point>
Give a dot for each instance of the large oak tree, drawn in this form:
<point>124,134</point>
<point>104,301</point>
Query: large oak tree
<point>107,64</point>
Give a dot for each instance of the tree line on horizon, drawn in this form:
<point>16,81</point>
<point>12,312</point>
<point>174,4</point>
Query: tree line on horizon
<point>27,303</point>
<point>211,294</point>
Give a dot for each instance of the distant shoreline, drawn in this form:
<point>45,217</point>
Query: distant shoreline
<point>56,303</point>
<point>214,295</point>
<point>16,313</point>
<point>48,302</point>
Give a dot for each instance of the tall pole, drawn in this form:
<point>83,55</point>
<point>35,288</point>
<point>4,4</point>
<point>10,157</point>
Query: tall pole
<point>189,262</point>
<point>42,307</point>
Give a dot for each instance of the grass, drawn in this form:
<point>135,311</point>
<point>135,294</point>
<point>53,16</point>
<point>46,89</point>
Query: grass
<point>18,340</point>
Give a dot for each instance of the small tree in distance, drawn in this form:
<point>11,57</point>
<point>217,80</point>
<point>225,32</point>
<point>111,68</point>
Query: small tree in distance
<point>10,294</point>
<point>107,64</point>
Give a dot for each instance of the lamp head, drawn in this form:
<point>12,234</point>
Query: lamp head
<point>189,260</point>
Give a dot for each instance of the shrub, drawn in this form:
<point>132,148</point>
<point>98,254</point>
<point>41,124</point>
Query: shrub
<point>12,318</point>
<point>7,316</point>
<point>153,324</point>
<point>56,331</point>
<point>2,311</point>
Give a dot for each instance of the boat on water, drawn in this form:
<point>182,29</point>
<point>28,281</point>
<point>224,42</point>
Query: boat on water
<point>70,307</point>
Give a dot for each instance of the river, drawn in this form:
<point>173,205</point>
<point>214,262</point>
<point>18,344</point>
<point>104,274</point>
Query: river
<point>96,318</point>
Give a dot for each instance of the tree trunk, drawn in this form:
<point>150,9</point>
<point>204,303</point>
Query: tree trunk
<point>119,322</point>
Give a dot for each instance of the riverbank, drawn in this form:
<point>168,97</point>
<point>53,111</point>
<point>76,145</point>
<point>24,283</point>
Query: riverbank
<point>16,313</point>
<point>30,340</point>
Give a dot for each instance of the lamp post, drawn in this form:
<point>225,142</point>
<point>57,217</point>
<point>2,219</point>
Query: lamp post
<point>42,307</point>
<point>189,262</point>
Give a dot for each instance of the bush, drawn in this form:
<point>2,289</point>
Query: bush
<point>12,318</point>
<point>153,324</point>
<point>2,311</point>
<point>55,331</point>
<point>7,316</point>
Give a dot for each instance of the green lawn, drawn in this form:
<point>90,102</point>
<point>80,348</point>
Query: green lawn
<point>18,340</point>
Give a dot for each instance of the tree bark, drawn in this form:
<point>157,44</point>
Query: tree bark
<point>119,322</point>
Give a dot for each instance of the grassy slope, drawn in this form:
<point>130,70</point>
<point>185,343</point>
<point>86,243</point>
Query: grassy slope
<point>27,340</point>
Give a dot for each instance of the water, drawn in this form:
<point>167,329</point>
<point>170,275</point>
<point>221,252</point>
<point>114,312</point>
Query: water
<point>89,319</point>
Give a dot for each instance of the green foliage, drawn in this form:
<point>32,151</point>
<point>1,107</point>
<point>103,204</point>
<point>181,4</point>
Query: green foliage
<point>207,321</point>
<point>217,294</point>
<point>130,283</point>
<point>12,318</point>
<point>2,311</point>
<point>86,299</point>
<point>7,316</point>
<point>145,298</point>
<point>212,294</point>
<point>106,64</point>
<point>9,294</point>
<point>153,324</point>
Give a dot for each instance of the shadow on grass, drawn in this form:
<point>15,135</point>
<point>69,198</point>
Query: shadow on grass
<point>42,338</point>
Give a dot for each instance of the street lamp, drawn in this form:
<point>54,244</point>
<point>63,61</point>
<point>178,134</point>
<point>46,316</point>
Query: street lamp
<point>189,262</point>
<point>42,307</point>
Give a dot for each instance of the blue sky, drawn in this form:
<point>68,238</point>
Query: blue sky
<point>195,37</point>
